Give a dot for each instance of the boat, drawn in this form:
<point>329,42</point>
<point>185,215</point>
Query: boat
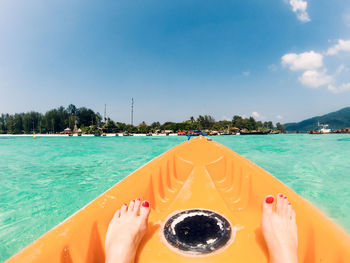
<point>322,129</point>
<point>200,181</point>
<point>225,133</point>
<point>255,133</point>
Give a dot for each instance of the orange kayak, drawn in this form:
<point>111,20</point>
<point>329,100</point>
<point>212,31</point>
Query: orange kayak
<point>202,181</point>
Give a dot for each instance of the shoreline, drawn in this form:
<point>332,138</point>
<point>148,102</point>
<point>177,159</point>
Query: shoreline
<point>132,135</point>
<point>85,135</point>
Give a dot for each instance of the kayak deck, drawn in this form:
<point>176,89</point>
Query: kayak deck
<point>197,174</point>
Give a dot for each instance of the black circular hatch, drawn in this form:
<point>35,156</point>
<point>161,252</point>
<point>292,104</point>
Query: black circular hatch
<point>197,231</point>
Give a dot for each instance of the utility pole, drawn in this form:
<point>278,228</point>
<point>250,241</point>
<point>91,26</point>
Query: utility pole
<point>132,111</point>
<point>105,112</point>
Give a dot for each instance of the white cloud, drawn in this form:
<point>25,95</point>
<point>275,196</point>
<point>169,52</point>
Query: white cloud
<point>314,72</point>
<point>315,79</point>
<point>257,115</point>
<point>246,73</point>
<point>279,117</point>
<point>273,67</point>
<point>343,87</point>
<point>340,69</point>
<point>342,45</point>
<point>303,61</point>
<point>300,9</point>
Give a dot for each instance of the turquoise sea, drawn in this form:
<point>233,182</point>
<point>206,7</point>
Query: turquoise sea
<point>43,181</point>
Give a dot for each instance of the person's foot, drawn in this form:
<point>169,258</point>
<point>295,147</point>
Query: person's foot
<point>125,231</point>
<point>280,230</point>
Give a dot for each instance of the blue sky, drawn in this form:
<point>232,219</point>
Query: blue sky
<point>280,60</point>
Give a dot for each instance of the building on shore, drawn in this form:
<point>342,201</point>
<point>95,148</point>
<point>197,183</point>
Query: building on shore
<point>67,131</point>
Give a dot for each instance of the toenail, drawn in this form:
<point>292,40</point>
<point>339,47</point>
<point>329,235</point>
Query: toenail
<point>138,199</point>
<point>125,204</point>
<point>285,197</point>
<point>281,195</point>
<point>289,203</point>
<point>145,204</point>
<point>269,199</point>
<point>132,200</point>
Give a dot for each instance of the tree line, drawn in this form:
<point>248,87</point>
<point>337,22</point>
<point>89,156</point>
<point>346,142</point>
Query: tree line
<point>56,120</point>
<point>53,121</point>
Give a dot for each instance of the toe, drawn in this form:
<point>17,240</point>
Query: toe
<point>285,207</point>
<point>293,216</point>
<point>137,206</point>
<point>124,209</point>
<point>267,205</point>
<point>131,207</point>
<point>279,204</point>
<point>289,211</point>
<point>145,209</point>
<point>117,214</point>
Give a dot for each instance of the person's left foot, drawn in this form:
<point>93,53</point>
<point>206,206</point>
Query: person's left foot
<point>125,231</point>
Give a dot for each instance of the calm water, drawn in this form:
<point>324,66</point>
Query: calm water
<point>43,181</point>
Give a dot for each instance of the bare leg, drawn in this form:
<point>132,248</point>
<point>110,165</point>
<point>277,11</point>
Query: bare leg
<point>280,230</point>
<point>125,232</point>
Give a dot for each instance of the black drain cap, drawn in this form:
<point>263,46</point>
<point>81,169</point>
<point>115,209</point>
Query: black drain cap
<point>197,231</point>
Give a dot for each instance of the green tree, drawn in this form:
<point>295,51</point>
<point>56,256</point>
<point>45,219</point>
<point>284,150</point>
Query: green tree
<point>206,121</point>
<point>71,109</point>
<point>237,122</point>
<point>155,126</point>
<point>168,126</point>
<point>190,124</point>
<point>121,126</point>
<point>142,127</point>
<point>3,129</point>
<point>222,125</point>
<point>251,124</point>
<point>14,124</point>
<point>88,117</point>
<point>130,128</point>
<point>280,127</point>
<point>110,126</point>
<point>268,125</point>
<point>186,125</point>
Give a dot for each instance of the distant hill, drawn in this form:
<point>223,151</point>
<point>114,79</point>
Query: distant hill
<point>336,120</point>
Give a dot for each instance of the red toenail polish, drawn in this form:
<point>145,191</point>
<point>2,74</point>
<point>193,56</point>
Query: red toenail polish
<point>132,200</point>
<point>145,204</point>
<point>281,195</point>
<point>285,197</point>
<point>138,199</point>
<point>289,203</point>
<point>269,199</point>
<point>125,204</point>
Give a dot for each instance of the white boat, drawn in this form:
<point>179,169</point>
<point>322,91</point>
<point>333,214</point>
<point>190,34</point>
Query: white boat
<point>324,128</point>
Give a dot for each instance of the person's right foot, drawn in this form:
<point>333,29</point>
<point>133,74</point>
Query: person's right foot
<point>280,230</point>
